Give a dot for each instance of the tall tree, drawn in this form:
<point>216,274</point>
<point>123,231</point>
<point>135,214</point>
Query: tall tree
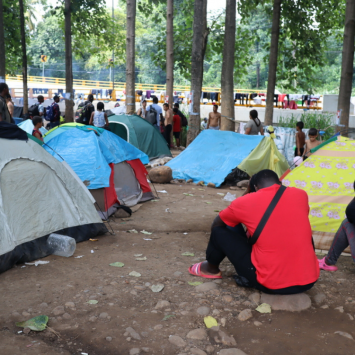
<point>227,79</point>
<point>130,57</point>
<point>170,51</point>
<point>199,43</point>
<point>347,65</point>
<point>69,109</point>
<point>24,57</point>
<point>274,46</point>
<point>2,43</point>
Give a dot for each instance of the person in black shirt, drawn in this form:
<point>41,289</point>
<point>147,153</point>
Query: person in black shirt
<point>344,237</point>
<point>89,108</point>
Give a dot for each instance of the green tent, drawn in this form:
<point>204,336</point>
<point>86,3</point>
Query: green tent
<point>141,134</point>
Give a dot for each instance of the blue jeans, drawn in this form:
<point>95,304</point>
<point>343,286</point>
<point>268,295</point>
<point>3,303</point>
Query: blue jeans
<point>54,124</point>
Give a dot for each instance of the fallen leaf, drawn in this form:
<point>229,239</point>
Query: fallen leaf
<point>169,316</point>
<point>188,254</point>
<point>132,231</point>
<point>220,194</point>
<point>208,202</point>
<point>210,322</point>
<point>117,264</point>
<point>264,308</point>
<point>138,255</point>
<point>202,189</point>
<point>93,240</point>
<point>154,200</point>
<point>37,324</point>
<point>93,302</point>
<point>135,274</point>
<point>142,259</point>
<point>145,232</point>
<point>157,288</point>
<point>195,283</point>
<point>217,211</point>
<point>187,194</point>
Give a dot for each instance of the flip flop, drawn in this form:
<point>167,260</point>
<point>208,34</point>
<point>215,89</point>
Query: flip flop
<point>196,271</point>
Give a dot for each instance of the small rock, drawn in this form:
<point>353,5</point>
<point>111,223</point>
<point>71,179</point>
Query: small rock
<point>103,315</point>
<point>207,286</point>
<point>325,306</point>
<point>177,341</point>
<point>135,351</point>
<point>210,349</point>
<point>233,188</point>
<point>161,174</point>
<point>319,298</point>
<point>190,180</point>
<point>70,305</point>
<point>222,337</point>
<point>66,316</point>
<point>200,183</point>
<point>245,315</point>
<point>292,303</point>
<point>133,333</point>
<point>344,334</point>
<point>158,327</point>
<point>255,297</point>
<point>140,288</point>
<point>145,350</point>
<point>162,304</point>
<point>196,351</point>
<point>26,330</point>
<point>350,316</point>
<point>258,324</point>
<point>26,314</point>
<point>57,311</point>
<point>203,311</point>
<point>93,319</point>
<point>216,312</point>
<point>227,298</point>
<point>109,338</point>
<point>197,334</point>
<point>243,183</point>
<point>231,352</point>
<point>43,305</point>
<point>211,184</point>
<point>177,273</point>
<point>223,322</point>
<point>340,309</point>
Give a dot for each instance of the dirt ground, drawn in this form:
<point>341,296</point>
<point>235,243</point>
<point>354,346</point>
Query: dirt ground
<point>179,224</point>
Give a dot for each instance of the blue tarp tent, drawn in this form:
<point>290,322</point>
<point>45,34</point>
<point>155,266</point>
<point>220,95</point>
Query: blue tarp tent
<point>212,156</point>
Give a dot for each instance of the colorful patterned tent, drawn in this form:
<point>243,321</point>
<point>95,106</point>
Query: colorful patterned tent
<point>328,178</point>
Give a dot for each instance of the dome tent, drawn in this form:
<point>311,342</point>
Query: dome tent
<point>38,196</point>
<point>111,168</point>
<point>140,133</point>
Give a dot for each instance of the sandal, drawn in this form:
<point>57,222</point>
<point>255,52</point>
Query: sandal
<point>196,271</point>
<point>324,266</point>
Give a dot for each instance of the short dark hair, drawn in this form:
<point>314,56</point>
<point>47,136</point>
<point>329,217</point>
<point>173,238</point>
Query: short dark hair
<point>313,132</point>
<point>266,178</point>
<point>165,104</point>
<point>300,125</point>
<point>254,114</point>
<point>36,120</point>
<point>144,101</point>
<point>3,86</point>
<point>55,97</point>
<point>175,109</point>
<point>8,96</point>
<point>40,97</point>
<point>215,106</point>
<point>155,99</point>
<point>100,106</point>
<point>91,97</point>
<point>176,104</point>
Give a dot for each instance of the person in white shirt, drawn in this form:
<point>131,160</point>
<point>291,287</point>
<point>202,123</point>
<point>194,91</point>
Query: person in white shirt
<point>159,111</point>
<point>99,118</point>
<point>204,123</point>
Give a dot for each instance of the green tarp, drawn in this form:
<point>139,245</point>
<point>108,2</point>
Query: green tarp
<point>141,134</point>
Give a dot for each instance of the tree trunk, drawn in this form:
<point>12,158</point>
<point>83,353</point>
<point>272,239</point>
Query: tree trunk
<point>257,67</point>
<point>347,66</point>
<point>170,51</point>
<point>130,57</point>
<point>2,44</point>
<point>199,42</point>
<point>69,107</point>
<point>274,49</point>
<point>227,79</point>
<point>24,58</point>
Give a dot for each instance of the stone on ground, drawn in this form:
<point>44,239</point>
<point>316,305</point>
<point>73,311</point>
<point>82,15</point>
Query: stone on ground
<point>344,334</point>
<point>207,286</point>
<point>245,315</point>
<point>197,334</point>
<point>57,311</point>
<point>319,298</point>
<point>135,351</point>
<point>255,297</point>
<point>177,341</point>
<point>211,184</point>
<point>221,337</point>
<point>243,183</point>
<point>197,351</point>
<point>231,352</point>
<point>203,311</point>
<point>162,304</point>
<point>133,333</point>
<point>292,303</point>
<point>161,175</point>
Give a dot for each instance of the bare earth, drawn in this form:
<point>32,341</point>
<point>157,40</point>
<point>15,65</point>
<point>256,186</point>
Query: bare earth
<point>179,224</point>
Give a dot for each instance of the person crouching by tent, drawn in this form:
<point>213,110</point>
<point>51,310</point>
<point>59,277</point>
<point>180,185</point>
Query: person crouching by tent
<point>37,123</point>
<point>344,237</point>
<point>99,118</point>
<point>282,260</point>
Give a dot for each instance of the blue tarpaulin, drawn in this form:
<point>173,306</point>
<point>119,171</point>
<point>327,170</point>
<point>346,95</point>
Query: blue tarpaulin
<point>212,156</point>
<point>89,154</point>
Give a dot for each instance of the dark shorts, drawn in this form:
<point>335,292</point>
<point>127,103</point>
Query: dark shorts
<point>301,151</point>
<point>176,135</point>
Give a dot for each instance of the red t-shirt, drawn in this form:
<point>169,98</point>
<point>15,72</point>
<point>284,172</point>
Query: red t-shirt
<point>176,123</point>
<point>283,255</point>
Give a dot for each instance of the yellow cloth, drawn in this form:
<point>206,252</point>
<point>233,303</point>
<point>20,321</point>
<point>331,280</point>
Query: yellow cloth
<point>264,156</point>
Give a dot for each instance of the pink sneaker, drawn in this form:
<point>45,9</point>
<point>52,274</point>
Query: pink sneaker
<point>324,266</point>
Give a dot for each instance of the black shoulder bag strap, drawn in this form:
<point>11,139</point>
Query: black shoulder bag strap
<point>267,215</point>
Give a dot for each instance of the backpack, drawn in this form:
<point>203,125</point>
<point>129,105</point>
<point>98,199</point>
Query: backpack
<point>183,120</point>
<point>33,110</point>
<point>151,116</point>
<point>49,115</point>
<point>81,113</point>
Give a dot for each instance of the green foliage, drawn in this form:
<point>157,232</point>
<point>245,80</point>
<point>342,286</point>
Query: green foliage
<point>321,121</point>
<point>37,324</point>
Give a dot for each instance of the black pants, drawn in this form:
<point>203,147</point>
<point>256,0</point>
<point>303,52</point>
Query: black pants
<point>301,151</point>
<point>167,132</point>
<point>233,244</point>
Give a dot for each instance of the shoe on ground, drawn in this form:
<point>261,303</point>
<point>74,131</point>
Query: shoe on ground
<point>324,266</point>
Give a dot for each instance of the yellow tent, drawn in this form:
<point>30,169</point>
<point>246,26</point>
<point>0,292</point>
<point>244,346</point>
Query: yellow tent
<point>328,178</point>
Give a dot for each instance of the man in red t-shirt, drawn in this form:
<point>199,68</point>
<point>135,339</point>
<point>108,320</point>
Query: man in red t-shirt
<point>282,261</point>
<point>176,126</point>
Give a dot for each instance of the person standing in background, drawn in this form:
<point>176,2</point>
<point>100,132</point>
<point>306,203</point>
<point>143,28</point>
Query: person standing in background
<point>4,110</point>
<point>176,126</point>
<point>10,105</point>
<point>142,112</point>
<point>214,119</point>
<point>168,123</point>
<point>253,127</point>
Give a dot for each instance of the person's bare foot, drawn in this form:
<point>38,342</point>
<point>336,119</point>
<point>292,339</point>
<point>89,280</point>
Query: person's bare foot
<point>209,269</point>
